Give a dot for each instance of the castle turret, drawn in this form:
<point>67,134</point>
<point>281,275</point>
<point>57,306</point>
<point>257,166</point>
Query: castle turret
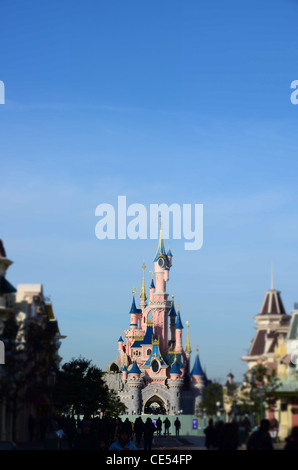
<point>134,383</point>
<point>133,313</point>
<point>124,374</point>
<point>198,379</point>
<point>178,333</point>
<point>175,384</point>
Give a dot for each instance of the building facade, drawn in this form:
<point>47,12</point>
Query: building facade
<point>31,337</point>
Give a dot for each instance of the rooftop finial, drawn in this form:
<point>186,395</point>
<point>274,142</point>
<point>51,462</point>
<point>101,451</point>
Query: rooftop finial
<point>143,295</point>
<point>187,346</point>
<point>134,291</point>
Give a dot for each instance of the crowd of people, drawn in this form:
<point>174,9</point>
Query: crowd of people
<point>230,436</point>
<point>109,433</point>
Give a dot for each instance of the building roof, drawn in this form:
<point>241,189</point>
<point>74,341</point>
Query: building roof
<point>2,250</point>
<point>155,354</point>
<point>173,311</point>
<point>272,304</point>
<point>135,369</point>
<point>293,330</point>
<point>5,286</point>
<point>133,308</point>
<point>175,369</point>
<point>120,340</point>
<point>178,324</point>
<point>160,252</point>
<point>197,369</point>
<point>148,338</point>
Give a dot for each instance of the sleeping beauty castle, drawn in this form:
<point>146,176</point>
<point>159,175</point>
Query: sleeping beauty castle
<point>152,372</point>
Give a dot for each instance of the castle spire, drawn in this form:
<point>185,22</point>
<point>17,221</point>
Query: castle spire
<point>143,295</point>
<point>272,282</point>
<point>187,346</point>
<point>160,248</point>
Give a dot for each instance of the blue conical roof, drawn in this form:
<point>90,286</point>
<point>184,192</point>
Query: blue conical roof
<point>152,286</point>
<point>135,369</point>
<point>173,311</point>
<point>175,369</point>
<point>120,340</point>
<point>133,308</point>
<point>124,369</point>
<point>178,324</point>
<point>197,368</point>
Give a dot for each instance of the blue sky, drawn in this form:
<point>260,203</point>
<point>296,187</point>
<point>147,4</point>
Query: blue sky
<point>175,102</point>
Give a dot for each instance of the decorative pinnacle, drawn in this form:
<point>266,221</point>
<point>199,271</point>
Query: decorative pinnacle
<point>187,346</point>
<point>134,291</point>
<point>143,295</point>
<point>197,349</point>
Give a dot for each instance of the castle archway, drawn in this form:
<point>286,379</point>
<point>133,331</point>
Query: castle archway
<point>155,405</point>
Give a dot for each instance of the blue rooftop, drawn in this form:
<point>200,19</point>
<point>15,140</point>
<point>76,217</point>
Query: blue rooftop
<point>175,369</point>
<point>178,324</point>
<point>135,369</point>
<point>197,368</point>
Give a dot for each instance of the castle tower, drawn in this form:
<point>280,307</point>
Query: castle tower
<point>198,380</point>
<point>175,384</point>
<point>151,357</point>
<point>134,383</point>
<point>178,333</point>
<point>159,302</point>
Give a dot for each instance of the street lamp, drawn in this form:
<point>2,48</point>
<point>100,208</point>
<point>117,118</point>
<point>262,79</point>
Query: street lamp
<point>218,408</point>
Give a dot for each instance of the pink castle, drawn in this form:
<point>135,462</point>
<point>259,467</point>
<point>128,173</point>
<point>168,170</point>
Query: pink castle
<point>153,367</point>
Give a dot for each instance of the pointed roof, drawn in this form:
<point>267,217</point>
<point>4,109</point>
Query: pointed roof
<point>135,369</point>
<point>120,339</point>
<point>124,368</point>
<point>175,369</point>
<point>155,354</point>
<point>169,253</point>
<point>187,348</point>
<point>178,324</point>
<point>173,311</point>
<point>2,250</point>
<point>197,369</point>
<point>147,340</point>
<point>133,308</point>
<point>5,286</point>
<point>161,252</point>
<point>272,304</point>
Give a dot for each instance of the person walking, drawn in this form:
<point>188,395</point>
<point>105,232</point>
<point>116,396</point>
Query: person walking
<point>177,424</point>
<point>149,430</point>
<point>292,440</point>
<point>138,429</point>
<point>261,439</point>
<point>211,436</point>
<point>158,426</point>
<point>167,424</point>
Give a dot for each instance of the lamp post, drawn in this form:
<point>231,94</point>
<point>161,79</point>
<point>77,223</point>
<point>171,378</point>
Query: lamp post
<point>218,408</point>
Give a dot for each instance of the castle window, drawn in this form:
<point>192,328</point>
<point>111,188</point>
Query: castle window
<point>148,352</point>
